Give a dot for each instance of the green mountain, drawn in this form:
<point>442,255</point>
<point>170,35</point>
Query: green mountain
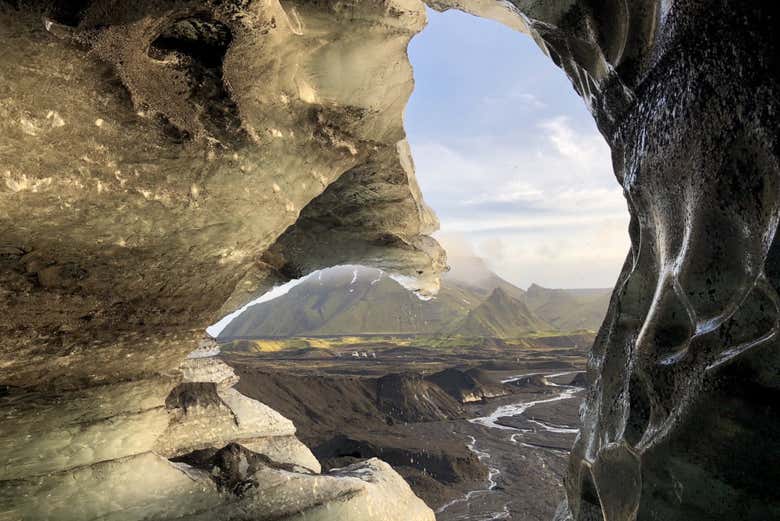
<point>473,302</point>
<point>352,300</point>
<point>499,316</point>
<point>569,309</point>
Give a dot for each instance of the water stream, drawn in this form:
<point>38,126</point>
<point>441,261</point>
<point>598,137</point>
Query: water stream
<point>491,421</point>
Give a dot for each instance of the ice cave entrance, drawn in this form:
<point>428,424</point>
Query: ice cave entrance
<point>473,394</point>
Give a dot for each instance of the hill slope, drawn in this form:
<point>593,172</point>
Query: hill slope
<point>569,309</point>
<point>352,300</point>
<point>473,302</point>
<point>499,316</point>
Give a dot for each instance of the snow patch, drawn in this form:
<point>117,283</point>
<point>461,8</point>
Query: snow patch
<point>277,291</point>
<point>411,284</point>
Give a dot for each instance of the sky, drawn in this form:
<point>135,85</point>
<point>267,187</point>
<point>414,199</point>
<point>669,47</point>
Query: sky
<point>509,157</point>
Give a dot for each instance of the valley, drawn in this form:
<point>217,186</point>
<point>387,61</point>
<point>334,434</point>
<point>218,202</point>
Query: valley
<point>471,395</point>
<point>480,430</point>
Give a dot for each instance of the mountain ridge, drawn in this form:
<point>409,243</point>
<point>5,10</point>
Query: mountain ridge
<point>355,300</point>
<point>500,316</point>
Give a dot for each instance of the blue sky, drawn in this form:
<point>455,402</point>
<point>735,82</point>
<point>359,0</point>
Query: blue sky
<point>509,157</point>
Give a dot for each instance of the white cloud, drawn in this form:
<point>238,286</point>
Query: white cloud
<point>515,97</point>
<point>584,148</point>
<point>494,249</point>
<point>590,256</point>
<point>558,169</point>
<point>546,209</point>
<point>547,223</point>
<point>456,244</point>
<point>515,191</point>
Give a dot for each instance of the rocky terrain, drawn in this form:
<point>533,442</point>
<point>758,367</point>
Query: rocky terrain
<point>205,441</point>
<point>164,163</point>
<point>415,408</point>
<point>145,190</point>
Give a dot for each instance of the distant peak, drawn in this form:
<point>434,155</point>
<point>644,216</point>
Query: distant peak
<point>499,293</point>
